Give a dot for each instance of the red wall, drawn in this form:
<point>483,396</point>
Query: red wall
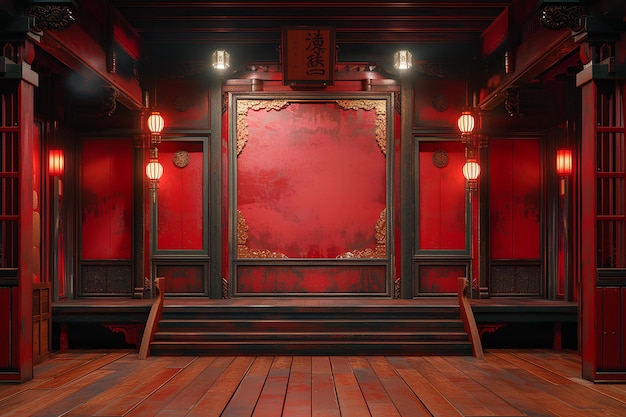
<point>107,196</point>
<point>181,198</point>
<point>515,198</point>
<point>441,197</point>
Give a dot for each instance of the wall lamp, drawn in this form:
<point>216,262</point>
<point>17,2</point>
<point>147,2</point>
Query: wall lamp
<point>471,169</point>
<point>564,162</point>
<point>155,125</point>
<point>563,166</point>
<point>56,162</point>
<point>154,171</point>
<point>220,60</point>
<point>403,60</point>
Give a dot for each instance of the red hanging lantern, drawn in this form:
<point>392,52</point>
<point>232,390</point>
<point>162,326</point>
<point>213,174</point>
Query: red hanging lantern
<point>471,170</point>
<point>154,170</point>
<point>156,123</point>
<point>466,123</point>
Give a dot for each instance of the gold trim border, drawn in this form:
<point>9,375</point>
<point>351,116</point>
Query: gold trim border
<point>380,107</point>
<point>381,242</point>
<point>243,106</point>
<point>243,251</point>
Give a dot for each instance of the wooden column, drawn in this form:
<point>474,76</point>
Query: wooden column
<point>603,264</point>
<point>17,82</point>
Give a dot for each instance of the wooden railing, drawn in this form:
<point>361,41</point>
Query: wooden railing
<point>153,320</point>
<point>468,319</point>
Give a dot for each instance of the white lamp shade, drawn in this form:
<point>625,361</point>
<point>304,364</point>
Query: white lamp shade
<point>466,122</point>
<point>471,170</point>
<point>156,123</point>
<point>220,60</point>
<point>154,170</point>
<point>403,60</point>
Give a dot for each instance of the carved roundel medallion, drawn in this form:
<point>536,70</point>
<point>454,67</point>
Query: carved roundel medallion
<point>440,103</point>
<point>181,103</point>
<point>440,158</point>
<point>181,158</point>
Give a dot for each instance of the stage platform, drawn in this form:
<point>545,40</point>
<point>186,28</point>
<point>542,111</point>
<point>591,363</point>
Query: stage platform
<point>128,316</point>
<point>486,311</point>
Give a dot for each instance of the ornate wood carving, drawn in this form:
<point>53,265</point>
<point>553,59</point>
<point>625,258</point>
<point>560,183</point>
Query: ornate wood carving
<point>512,102</point>
<point>52,16</point>
<point>242,112</point>
<point>562,17</point>
<point>380,107</point>
<point>397,289</point>
<point>243,251</point>
<point>225,290</point>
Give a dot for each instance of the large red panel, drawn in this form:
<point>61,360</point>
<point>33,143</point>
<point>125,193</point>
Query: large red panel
<point>311,180</point>
<point>272,279</point>
<point>106,199</point>
<point>441,196</point>
<point>181,208</point>
<point>515,196</point>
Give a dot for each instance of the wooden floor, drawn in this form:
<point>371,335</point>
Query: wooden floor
<point>506,383</point>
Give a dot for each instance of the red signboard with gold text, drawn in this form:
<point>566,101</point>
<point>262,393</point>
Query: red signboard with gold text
<point>308,56</point>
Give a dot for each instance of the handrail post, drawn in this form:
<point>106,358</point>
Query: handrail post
<point>153,319</point>
<point>468,319</point>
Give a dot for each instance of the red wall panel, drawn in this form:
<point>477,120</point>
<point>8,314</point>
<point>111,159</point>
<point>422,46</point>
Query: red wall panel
<point>610,304</point>
<point>515,198</point>
<point>310,279</point>
<point>106,199</point>
<point>441,197</point>
<point>188,279</point>
<point>438,279</point>
<point>181,200</point>
<point>311,180</point>
<point>9,328</point>
<point>5,328</point>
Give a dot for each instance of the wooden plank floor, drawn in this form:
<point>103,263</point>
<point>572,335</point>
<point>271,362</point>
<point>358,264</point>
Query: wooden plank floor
<point>506,383</point>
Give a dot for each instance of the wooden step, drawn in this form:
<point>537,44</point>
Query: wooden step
<point>320,347</point>
<point>341,329</point>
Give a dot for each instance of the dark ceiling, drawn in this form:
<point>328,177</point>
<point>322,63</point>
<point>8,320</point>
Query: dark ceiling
<point>366,30</point>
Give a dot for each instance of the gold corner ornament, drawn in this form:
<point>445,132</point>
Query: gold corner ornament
<point>380,107</point>
<point>381,242</point>
<point>243,251</point>
<point>243,106</point>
